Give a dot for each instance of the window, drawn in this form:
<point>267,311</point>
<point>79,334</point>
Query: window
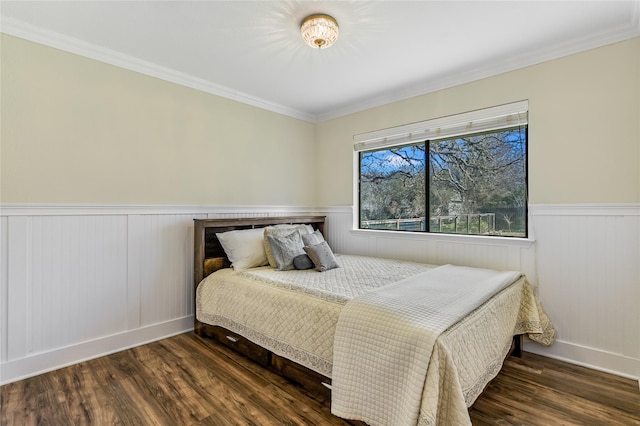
<point>464,174</point>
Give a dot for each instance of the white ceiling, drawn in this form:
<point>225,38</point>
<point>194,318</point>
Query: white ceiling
<point>252,51</point>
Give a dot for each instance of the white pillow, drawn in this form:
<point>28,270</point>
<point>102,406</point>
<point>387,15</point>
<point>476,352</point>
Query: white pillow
<point>244,248</point>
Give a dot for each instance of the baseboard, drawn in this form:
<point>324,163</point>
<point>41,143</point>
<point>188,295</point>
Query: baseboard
<point>43,362</point>
<point>595,359</point>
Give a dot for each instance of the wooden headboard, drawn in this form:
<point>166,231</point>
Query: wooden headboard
<point>208,253</point>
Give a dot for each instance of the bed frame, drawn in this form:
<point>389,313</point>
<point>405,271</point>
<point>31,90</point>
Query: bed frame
<point>209,257</point>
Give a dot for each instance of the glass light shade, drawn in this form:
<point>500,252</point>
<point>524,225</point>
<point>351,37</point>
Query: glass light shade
<point>319,31</point>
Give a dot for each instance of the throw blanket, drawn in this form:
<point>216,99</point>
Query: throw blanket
<point>384,340</point>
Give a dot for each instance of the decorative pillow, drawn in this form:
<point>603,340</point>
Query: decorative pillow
<point>244,248</point>
<point>322,256</point>
<point>279,231</point>
<point>290,226</point>
<point>312,239</point>
<point>285,249</point>
<point>302,262</point>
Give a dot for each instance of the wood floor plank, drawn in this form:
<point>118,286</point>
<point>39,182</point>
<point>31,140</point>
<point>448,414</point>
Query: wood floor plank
<point>187,380</point>
<point>559,393</point>
<point>230,387</point>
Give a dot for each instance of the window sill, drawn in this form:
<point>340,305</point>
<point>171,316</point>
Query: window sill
<point>467,239</point>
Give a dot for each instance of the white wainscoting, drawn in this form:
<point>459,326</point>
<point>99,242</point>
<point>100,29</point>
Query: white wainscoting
<point>482,252</point>
<point>584,263</point>
<point>588,259</point>
<point>78,282</point>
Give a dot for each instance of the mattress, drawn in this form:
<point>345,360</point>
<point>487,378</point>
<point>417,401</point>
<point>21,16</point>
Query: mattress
<point>294,314</point>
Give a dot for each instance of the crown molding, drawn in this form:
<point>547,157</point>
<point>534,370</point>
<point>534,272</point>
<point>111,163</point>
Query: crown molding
<point>524,59</point>
<point>56,40</point>
<point>35,34</point>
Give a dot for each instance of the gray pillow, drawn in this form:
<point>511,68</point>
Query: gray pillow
<point>285,248</point>
<point>322,256</point>
<point>302,262</point>
<point>279,231</point>
<point>312,239</point>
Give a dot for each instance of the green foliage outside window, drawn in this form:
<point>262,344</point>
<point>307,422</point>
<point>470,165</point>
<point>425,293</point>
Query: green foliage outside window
<point>476,184</point>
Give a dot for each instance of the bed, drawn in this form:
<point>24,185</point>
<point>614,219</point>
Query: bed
<point>359,331</point>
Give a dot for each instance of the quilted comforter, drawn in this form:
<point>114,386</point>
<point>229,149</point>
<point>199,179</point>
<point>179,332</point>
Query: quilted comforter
<point>384,340</point>
<point>295,314</point>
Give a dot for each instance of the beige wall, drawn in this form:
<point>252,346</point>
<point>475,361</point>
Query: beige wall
<point>584,132</point>
<point>75,130</point>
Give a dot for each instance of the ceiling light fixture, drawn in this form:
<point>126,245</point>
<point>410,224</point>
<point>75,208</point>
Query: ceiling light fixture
<point>319,31</point>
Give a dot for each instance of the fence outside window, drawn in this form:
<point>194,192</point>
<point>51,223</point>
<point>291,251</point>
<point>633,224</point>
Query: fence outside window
<point>473,224</point>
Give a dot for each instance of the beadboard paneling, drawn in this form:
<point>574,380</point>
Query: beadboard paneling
<point>590,285</point>
<point>160,264</point>
<point>584,261</point>
<point>66,279</point>
<point>4,290</point>
<point>80,281</point>
<point>496,253</point>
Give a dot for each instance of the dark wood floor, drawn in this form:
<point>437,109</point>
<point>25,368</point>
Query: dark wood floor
<point>185,380</point>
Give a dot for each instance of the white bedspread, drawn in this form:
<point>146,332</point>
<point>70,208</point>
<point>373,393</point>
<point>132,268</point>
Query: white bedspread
<point>295,313</point>
<point>384,340</point>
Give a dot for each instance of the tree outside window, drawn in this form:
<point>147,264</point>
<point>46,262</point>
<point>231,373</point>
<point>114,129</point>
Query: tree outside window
<point>477,184</point>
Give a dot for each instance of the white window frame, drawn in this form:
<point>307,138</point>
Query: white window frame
<point>485,119</point>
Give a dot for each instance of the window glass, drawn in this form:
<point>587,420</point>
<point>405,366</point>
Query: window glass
<point>477,185</point>
<point>392,188</point>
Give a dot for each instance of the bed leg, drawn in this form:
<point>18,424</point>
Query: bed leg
<point>198,328</point>
<point>517,346</point>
